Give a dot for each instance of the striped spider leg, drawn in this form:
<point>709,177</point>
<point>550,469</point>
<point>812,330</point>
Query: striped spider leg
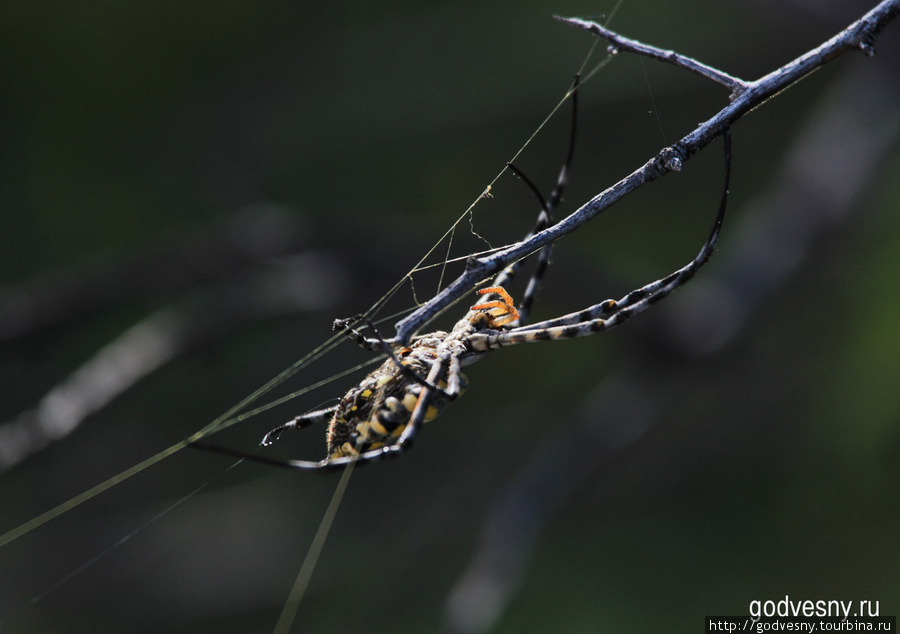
<point>544,220</point>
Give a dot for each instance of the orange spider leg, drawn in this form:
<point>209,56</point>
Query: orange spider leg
<point>498,308</point>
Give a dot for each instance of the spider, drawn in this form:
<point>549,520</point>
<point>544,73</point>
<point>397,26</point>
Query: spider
<point>381,417</point>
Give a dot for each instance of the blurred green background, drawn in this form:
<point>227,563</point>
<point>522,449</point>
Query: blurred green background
<point>176,157</point>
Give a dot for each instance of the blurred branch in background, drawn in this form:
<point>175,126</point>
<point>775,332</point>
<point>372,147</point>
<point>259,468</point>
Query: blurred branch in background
<point>157,271</point>
<point>823,184</point>
<point>245,272</point>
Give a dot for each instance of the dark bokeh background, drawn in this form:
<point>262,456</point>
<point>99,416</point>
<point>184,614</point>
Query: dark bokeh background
<point>186,159</point>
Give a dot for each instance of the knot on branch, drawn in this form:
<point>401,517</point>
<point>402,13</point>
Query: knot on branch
<point>865,38</point>
<point>867,44</point>
<point>868,28</point>
<point>670,159</point>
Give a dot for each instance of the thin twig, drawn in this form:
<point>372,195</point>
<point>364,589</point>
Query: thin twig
<point>619,43</point>
<point>859,35</point>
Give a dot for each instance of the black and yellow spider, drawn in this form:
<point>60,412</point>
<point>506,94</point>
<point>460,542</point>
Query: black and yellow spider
<point>380,417</point>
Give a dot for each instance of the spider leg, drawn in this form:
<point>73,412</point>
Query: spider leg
<point>502,311</point>
<point>544,220</point>
<point>300,422</point>
<point>370,344</point>
<point>609,307</point>
<point>440,365</point>
<point>303,465</point>
<point>609,314</point>
<point>446,362</point>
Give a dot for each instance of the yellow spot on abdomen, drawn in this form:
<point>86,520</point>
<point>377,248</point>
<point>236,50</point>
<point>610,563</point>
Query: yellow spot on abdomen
<point>409,402</point>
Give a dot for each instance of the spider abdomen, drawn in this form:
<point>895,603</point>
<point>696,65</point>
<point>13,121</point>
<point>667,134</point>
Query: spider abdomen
<point>375,413</point>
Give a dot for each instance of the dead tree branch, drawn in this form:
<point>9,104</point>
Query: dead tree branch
<point>745,96</point>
